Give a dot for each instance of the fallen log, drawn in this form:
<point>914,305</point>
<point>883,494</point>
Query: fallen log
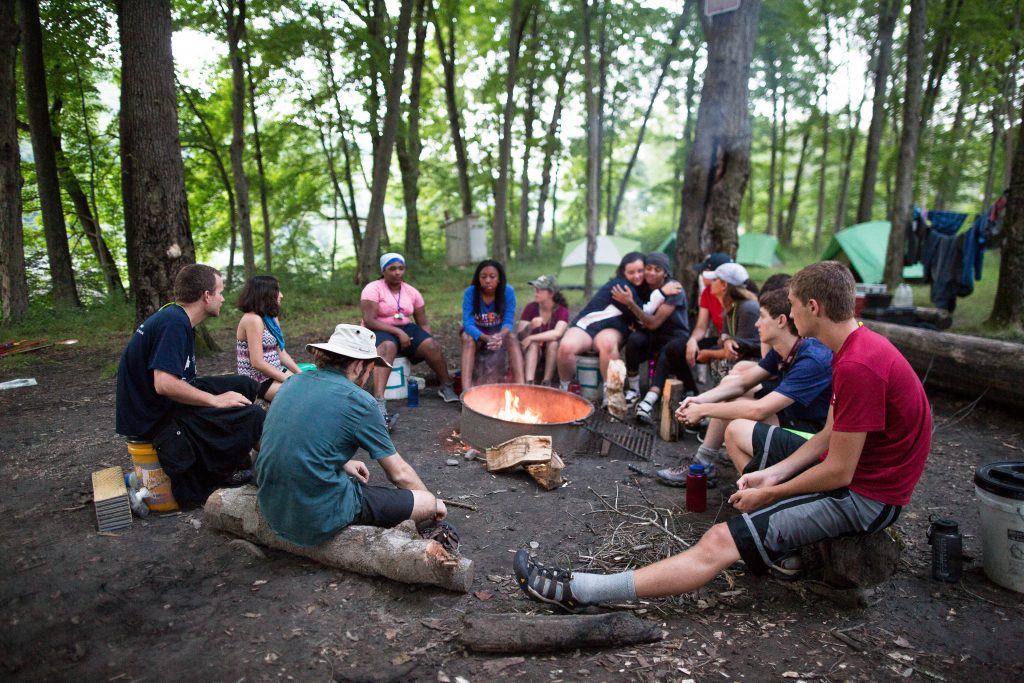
<point>397,553</point>
<point>860,561</point>
<point>522,450</point>
<point>961,364</point>
<point>511,633</point>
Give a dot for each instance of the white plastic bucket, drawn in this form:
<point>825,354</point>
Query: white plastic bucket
<point>396,388</point>
<point>588,374</point>
<point>1000,491</point>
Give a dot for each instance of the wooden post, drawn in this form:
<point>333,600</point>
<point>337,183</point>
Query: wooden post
<point>671,397</point>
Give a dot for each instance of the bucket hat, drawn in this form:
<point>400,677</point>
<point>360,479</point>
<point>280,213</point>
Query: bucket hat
<point>352,341</point>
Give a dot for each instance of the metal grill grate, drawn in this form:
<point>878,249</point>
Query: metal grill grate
<point>610,436</point>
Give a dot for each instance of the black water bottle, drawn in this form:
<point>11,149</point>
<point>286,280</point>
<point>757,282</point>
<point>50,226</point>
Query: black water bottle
<point>947,550</point>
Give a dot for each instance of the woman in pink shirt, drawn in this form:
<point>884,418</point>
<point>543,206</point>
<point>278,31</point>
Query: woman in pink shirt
<point>396,313</point>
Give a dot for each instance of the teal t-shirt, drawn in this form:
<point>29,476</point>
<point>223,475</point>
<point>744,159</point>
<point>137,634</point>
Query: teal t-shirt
<point>315,425</point>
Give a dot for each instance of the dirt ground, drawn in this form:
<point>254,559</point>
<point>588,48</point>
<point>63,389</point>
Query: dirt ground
<point>169,599</point>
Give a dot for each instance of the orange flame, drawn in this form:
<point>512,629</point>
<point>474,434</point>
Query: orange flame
<point>512,413</point>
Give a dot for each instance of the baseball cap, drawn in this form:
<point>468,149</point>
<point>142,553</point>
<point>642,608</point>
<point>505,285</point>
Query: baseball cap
<point>545,282</point>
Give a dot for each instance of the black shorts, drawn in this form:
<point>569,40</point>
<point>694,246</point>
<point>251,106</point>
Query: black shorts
<point>417,335</point>
<point>771,444</point>
<point>383,506</point>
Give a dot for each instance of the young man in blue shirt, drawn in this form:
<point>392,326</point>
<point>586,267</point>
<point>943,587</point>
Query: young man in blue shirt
<point>799,400</point>
<point>203,428</point>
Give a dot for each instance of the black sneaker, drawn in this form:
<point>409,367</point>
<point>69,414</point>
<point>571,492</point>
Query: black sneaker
<point>238,478</point>
<point>545,584</point>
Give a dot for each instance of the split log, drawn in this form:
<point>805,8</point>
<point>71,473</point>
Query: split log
<point>522,450</point>
<point>961,364</point>
<point>671,397</point>
<point>615,385</point>
<point>397,553</point>
<point>548,474</point>
<point>860,561</point>
<point>511,633</point>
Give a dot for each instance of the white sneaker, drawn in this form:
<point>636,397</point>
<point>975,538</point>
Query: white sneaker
<point>632,397</point>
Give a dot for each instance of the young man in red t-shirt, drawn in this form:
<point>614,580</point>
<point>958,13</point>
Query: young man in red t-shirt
<point>851,478</point>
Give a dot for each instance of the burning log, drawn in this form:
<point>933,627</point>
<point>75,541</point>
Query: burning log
<point>548,474</point>
<point>509,633</point>
<point>397,553</point>
<point>522,450</point>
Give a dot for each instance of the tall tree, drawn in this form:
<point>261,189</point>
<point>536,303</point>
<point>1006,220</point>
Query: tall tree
<point>786,228</point>
<point>528,120</point>
<point>904,192</point>
<point>159,237</point>
<point>593,151</point>
<point>551,147</point>
<point>234,21</point>
<point>446,50</point>
<point>819,219</point>
<point>719,160</point>
<point>888,11</point>
<point>261,175</point>
<point>1008,307</point>
<point>13,286</point>
<point>37,103</point>
<point>408,141</point>
<point>385,146</point>
<point>499,226</point>
<point>847,167</point>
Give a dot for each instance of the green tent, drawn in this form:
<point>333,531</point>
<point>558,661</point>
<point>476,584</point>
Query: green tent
<point>755,249</point>
<point>607,254</point>
<point>863,247</point>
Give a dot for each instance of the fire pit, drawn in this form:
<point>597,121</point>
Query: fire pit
<point>495,413</point>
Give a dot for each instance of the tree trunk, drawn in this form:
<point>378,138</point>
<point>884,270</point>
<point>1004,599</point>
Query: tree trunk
<point>783,148</point>
<point>13,285</point>
<point>1010,85</point>
<point>888,10</point>
<point>446,52</point>
<point>260,174</point>
<point>819,219</point>
<point>528,120</point>
<point>719,161</point>
<point>904,193</point>
<point>235,25</point>
<point>666,63</point>
<point>844,183</point>
<point>382,158</point>
<point>683,150</point>
<point>773,79</point>
<point>152,173</point>
<point>1008,308</point>
<point>37,106</point>
<point>408,143</point>
<point>941,51</point>
<point>786,231</point>
<point>593,153</point>
<point>551,147</point>
<point>499,226</point>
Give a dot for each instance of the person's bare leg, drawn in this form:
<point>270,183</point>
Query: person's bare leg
<point>271,392</point>
<point>574,342</point>
<point>688,570</point>
<point>515,358</point>
<point>530,361</point>
<point>550,360</point>
<point>607,343</point>
<point>430,351</point>
<point>715,436</point>
<point>427,508</point>
<point>387,350</point>
<point>739,443</point>
<point>468,358</point>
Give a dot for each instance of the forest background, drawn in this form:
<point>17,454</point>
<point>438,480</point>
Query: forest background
<point>310,136</point>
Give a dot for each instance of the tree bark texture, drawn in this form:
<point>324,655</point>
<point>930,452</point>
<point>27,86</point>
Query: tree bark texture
<point>382,154</point>
<point>1008,308</point>
<point>593,153</point>
<point>819,219</point>
<point>551,147</point>
<point>904,192</point>
<point>13,285</point>
<point>234,18</point>
<point>408,142</point>
<point>719,161</point>
<point>397,553</point>
<point>268,241</point>
<point>888,11</point>
<point>512,633</point>
<point>499,225</point>
<point>446,52</point>
<point>152,173</point>
<point>62,275</point>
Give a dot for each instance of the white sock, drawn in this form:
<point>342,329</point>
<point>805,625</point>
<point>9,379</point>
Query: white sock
<point>383,405</point>
<point>563,385</point>
<point>706,456</point>
<point>596,588</point>
<point>651,398</point>
<point>634,383</point>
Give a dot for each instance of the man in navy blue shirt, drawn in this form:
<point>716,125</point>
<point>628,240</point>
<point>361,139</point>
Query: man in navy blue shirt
<point>799,401</point>
<point>202,428</point>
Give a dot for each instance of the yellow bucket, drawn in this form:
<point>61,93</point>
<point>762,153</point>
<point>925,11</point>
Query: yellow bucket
<point>152,476</point>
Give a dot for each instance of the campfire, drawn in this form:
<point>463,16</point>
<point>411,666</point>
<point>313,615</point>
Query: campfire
<point>512,413</point>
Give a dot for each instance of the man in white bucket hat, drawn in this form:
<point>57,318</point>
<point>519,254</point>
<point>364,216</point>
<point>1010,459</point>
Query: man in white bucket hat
<point>309,485</point>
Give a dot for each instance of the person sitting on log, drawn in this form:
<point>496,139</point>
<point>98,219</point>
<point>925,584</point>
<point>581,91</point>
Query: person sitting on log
<point>203,428</point>
<point>851,478</point>
<point>310,487</point>
<point>798,401</point>
<point>540,328</point>
<point>397,314</point>
<point>488,318</point>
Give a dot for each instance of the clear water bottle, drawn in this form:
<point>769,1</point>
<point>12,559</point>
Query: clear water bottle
<point>412,396</point>
<point>947,550</point>
<point>696,488</point>
<point>904,297</point>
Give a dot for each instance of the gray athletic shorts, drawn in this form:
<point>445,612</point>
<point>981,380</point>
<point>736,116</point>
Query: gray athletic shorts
<point>766,535</point>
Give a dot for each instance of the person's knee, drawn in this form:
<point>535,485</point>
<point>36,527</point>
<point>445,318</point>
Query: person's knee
<point>387,350</point>
<point>739,433</point>
<point>717,541</point>
<point>428,348</point>
<point>468,342</point>
<point>426,507</point>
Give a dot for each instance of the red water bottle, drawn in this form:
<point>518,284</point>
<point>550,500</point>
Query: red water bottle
<point>696,489</point>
